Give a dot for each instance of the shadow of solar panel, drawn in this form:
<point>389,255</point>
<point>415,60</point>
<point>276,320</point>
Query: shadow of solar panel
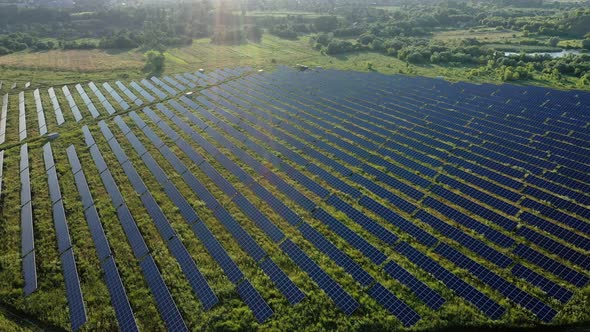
<point>430,297</point>
<point>540,309</point>
<point>344,261</point>
<point>61,227</point>
<point>342,299</point>
<point>166,306</point>
<point>350,236</point>
<point>552,266</point>
<point>395,306</point>
<point>192,273</point>
<point>119,300</point>
<point>463,289</point>
<point>73,291</point>
<point>260,219</point>
<point>216,250</point>
<point>255,302</point>
<point>552,289</point>
<point>29,273</point>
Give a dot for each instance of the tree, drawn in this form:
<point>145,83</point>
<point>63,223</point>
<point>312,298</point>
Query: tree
<point>326,23</point>
<point>154,65</point>
<point>553,41</point>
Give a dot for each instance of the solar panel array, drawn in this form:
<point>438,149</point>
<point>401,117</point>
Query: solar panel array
<point>59,117</point>
<point>64,245</point>
<point>390,192</point>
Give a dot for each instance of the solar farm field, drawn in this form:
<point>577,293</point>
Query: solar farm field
<point>288,200</point>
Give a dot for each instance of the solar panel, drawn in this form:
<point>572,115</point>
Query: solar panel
<point>254,301</point>
<point>27,235</point>
<point>132,232</point>
<point>216,250</point>
<point>3,118</point>
<point>552,289</point>
<point>552,266</point>
<point>29,273</point>
<point>340,258</point>
<point>166,306</point>
<point>395,306</point>
<point>192,273</point>
<point>555,247</point>
<point>430,297</point>
<point>463,289</point>
<point>354,239</point>
<point>396,220</point>
<point>72,103</point>
<point>119,300</point>
<point>257,217</point>
<point>61,227</point>
<point>73,291</point>
<point>158,217</point>
<point>342,299</point>
<point>540,309</point>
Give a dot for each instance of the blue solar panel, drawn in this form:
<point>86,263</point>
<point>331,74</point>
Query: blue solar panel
<point>245,241</point>
<point>278,206</point>
<point>119,300</point>
<point>395,306</point>
<point>166,306</point>
<point>293,294</point>
<point>548,264</point>
<point>463,289</point>
<point>192,273</point>
<point>158,217</point>
<point>340,258</point>
<point>26,224</point>
<point>255,302</point>
<point>73,291</point>
<point>29,273</point>
<point>392,198</point>
<point>393,218</point>
<point>61,227</point>
<point>260,219</point>
<point>216,250</point>
<point>342,299</point>
<point>465,240</point>
<point>555,247</point>
<point>430,297</point>
<point>360,218</point>
<point>350,236</point>
<point>540,309</point>
<point>133,235</point>
<point>54,192</point>
<point>551,288</point>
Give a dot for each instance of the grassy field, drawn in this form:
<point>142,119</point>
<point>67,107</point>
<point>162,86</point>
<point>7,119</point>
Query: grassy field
<point>62,67</point>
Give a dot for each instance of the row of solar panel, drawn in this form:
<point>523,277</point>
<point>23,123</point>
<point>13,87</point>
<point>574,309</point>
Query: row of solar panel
<point>22,117</point>
<point>40,113</point>
<point>59,117</point>
<point>327,247</point>
<point>101,98</point>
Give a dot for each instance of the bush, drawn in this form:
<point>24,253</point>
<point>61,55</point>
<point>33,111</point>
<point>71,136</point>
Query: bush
<point>586,44</point>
